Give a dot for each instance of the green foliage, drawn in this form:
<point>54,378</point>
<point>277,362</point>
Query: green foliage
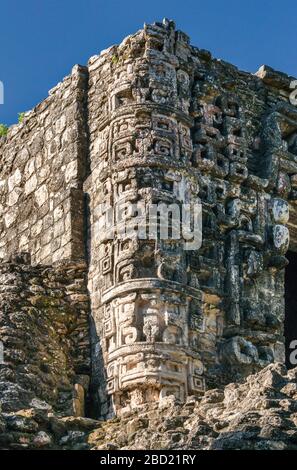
<point>21,117</point>
<point>114,59</point>
<point>3,130</point>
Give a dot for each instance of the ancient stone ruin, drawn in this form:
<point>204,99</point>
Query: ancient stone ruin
<point>97,324</point>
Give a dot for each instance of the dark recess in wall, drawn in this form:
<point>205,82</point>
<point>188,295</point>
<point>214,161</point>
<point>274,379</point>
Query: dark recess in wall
<point>290,304</point>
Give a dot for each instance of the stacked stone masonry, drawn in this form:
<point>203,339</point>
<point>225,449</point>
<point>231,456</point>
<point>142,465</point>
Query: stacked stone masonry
<point>154,120</point>
<point>44,332</point>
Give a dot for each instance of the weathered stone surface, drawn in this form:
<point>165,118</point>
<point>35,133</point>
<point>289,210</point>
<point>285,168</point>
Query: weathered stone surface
<point>45,335</point>
<point>257,414</point>
<point>167,123</point>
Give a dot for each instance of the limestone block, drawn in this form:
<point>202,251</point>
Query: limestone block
<point>14,179</point>
<point>281,238</point>
<point>237,350</point>
<point>41,195</point>
<point>280,211</point>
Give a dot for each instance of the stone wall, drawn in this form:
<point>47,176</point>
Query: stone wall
<point>43,162</point>
<point>44,331</point>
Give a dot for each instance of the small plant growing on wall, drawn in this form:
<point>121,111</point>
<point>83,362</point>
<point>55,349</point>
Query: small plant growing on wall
<point>3,130</point>
<point>21,117</point>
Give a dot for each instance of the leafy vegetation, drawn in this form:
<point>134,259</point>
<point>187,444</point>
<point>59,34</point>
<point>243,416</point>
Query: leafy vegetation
<point>3,130</point>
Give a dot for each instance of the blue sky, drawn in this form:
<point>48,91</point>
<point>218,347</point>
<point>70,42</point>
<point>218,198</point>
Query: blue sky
<point>42,39</point>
